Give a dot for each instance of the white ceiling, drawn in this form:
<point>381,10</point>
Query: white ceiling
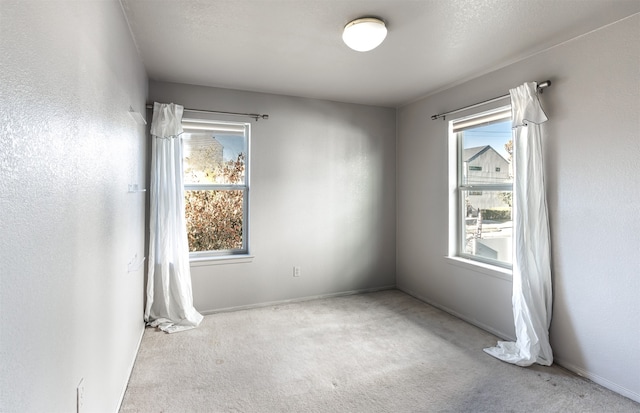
<point>294,47</point>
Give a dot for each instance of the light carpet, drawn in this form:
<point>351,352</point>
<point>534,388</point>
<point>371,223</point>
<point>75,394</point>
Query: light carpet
<point>377,352</point>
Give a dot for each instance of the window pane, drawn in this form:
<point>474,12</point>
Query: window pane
<point>214,158</point>
<point>486,154</point>
<point>487,229</point>
<point>214,219</point>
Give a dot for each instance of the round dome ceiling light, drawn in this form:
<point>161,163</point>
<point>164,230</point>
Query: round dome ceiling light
<point>364,34</point>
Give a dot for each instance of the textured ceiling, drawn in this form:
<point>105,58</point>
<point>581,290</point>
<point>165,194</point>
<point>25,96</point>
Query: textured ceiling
<point>295,48</point>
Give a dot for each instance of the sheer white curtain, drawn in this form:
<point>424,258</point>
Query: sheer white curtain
<point>532,252</point>
<point>169,295</point>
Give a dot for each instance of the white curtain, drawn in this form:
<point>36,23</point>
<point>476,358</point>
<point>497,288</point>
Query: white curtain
<point>169,295</point>
<point>532,253</point>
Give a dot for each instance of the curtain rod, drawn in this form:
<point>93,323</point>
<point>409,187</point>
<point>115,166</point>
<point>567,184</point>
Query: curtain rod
<point>541,86</point>
<point>255,116</point>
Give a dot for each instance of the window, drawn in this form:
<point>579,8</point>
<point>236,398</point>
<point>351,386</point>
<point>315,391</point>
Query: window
<point>216,183</point>
<point>482,226</point>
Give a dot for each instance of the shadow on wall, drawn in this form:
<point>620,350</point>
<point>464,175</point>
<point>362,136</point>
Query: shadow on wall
<point>561,324</point>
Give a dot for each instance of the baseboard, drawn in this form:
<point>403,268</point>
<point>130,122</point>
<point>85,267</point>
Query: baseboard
<point>572,368</point>
<point>297,300</point>
<point>247,307</point>
<point>133,362</point>
<point>598,379</point>
<point>456,314</point>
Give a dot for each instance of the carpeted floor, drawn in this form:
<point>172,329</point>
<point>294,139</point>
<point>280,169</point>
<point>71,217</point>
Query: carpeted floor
<point>377,352</point>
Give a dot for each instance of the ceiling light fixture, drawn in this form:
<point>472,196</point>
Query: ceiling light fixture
<point>364,34</point>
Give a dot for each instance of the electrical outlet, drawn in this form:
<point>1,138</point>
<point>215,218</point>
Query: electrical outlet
<point>296,271</point>
<point>80,397</point>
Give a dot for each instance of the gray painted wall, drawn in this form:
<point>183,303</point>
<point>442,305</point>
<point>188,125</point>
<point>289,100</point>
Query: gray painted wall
<point>322,198</point>
<point>69,149</point>
<point>592,149</point>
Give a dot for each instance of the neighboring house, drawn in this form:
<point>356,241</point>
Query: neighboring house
<point>489,238</point>
<point>484,165</point>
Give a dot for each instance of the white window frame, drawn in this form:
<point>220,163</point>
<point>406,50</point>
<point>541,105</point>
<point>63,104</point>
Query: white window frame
<point>457,207</point>
<point>192,125</point>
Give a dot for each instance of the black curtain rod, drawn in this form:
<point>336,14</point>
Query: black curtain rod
<point>255,116</point>
<point>541,86</point>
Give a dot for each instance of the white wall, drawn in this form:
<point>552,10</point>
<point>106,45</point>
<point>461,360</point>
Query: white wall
<point>68,308</point>
<point>592,150</point>
<point>322,198</point>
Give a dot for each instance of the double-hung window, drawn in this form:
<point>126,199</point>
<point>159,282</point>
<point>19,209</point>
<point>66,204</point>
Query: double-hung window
<point>483,228</point>
<point>216,186</point>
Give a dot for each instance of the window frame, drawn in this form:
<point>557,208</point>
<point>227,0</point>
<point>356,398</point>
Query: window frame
<point>457,206</point>
<point>195,125</point>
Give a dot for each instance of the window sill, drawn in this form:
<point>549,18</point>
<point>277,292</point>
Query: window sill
<point>487,269</point>
<point>220,260</point>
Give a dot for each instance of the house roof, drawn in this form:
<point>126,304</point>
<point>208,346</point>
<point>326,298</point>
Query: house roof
<point>469,154</point>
